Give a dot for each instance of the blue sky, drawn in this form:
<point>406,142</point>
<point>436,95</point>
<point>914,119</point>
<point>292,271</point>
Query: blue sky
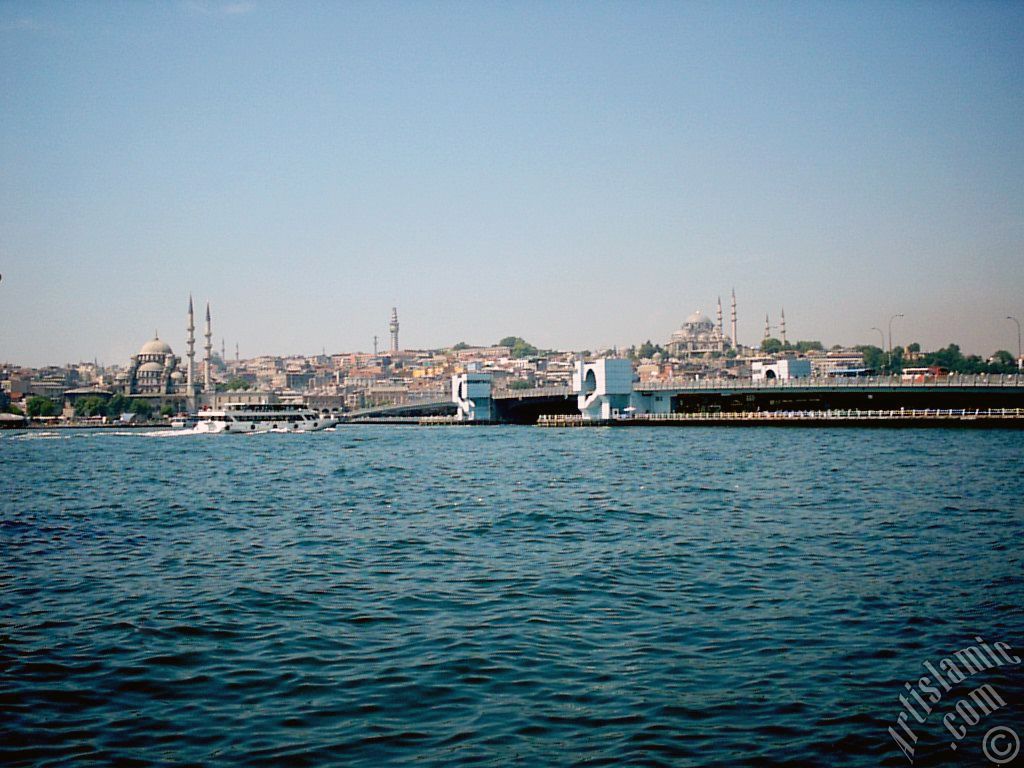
<point>580,174</point>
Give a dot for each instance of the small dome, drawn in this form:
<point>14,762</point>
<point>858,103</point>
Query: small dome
<point>698,318</point>
<point>151,368</point>
<point>177,376</point>
<point>155,347</point>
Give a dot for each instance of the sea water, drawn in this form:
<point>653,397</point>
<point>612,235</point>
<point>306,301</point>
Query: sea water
<point>502,595</point>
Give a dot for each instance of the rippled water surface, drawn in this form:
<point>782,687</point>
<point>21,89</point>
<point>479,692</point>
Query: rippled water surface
<point>496,596</point>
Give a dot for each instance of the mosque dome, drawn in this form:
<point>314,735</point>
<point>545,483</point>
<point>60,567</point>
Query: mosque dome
<point>151,368</point>
<point>155,347</point>
<point>698,318</point>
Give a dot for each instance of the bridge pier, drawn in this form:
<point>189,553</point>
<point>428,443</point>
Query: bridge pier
<point>471,393</point>
<point>604,387</point>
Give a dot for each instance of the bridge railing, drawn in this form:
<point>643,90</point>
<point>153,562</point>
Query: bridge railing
<point>432,399</point>
<point>836,382</point>
<point>522,394</point>
<point>844,414</point>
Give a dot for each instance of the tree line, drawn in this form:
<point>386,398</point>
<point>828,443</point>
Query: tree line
<point>94,405</point>
<point>949,357</point>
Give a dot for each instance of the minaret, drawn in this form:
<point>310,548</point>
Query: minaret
<point>735,343</point>
<point>393,327</point>
<point>721,328</point>
<point>223,352</point>
<point>782,325</point>
<point>207,387</point>
<point>767,328</point>
<point>236,353</point>
<point>190,372</point>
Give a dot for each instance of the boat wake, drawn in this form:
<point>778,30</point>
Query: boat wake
<point>39,436</point>
<point>172,433</point>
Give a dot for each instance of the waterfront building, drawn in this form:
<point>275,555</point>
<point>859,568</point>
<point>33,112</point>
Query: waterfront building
<point>783,369</point>
<point>837,360</point>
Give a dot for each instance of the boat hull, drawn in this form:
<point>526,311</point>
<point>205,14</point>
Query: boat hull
<point>244,427</point>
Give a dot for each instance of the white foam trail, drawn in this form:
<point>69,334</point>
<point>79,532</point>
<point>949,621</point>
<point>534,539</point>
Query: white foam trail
<point>40,436</point>
<point>172,433</point>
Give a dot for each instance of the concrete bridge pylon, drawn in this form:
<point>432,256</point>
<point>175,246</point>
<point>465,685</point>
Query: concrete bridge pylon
<point>604,387</point>
<point>471,393</point>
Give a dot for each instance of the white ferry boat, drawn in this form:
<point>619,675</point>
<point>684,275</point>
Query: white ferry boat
<point>184,421</point>
<point>248,418</point>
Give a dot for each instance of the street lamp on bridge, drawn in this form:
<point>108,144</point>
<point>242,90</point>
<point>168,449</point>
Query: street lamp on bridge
<point>1020,358</point>
<point>881,336</point>
<point>900,314</point>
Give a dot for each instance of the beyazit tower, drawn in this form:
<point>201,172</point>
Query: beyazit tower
<point>393,327</point>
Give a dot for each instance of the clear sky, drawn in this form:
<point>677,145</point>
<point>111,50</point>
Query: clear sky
<point>579,174</point>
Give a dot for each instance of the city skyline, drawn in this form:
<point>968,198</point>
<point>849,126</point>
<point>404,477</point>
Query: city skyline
<point>777,331</point>
<point>580,176</point>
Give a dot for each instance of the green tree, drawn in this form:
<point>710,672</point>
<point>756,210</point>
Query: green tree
<point>949,357</point>
<point>236,384</point>
<point>1002,362</point>
<point>38,405</point>
<point>896,360</point>
<point>90,406</point>
<point>520,384</point>
<point>142,408</point>
<point>874,357</point>
<point>460,346</point>
<point>974,364</point>
<point>520,347</point>
<point>771,346</point>
<point>807,346</point>
<point>913,348</point>
<point>648,350</point>
<point>117,405</point>
<point>167,410</point>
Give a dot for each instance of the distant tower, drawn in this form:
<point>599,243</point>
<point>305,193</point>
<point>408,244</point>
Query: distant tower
<point>735,343</point>
<point>190,372</point>
<point>393,327</point>
<point>207,386</point>
<point>721,328</point>
<point>236,351</point>
<point>223,351</point>
<point>375,346</point>
<point>782,325</point>
<point>767,328</point>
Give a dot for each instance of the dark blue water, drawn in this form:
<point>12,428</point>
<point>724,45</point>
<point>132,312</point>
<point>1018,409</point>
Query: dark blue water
<point>495,596</point>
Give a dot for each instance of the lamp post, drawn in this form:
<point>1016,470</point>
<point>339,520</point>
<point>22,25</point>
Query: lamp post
<point>1020,362</point>
<point>881,335</point>
<point>899,314</point>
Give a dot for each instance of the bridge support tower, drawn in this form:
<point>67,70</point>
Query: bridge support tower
<point>471,393</point>
<point>604,387</point>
